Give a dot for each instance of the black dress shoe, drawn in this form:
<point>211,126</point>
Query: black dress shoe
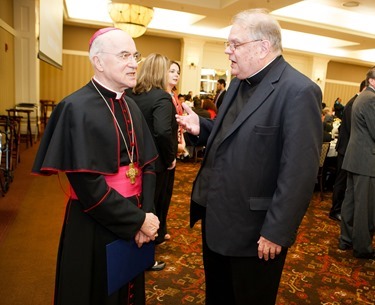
<point>370,255</point>
<point>158,266</point>
<point>335,216</point>
<point>343,246</point>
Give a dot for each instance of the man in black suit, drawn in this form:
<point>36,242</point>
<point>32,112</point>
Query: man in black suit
<point>358,207</point>
<point>220,92</point>
<point>339,186</point>
<point>260,165</point>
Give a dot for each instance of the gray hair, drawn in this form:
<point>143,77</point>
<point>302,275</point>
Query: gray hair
<point>260,25</point>
<point>96,47</point>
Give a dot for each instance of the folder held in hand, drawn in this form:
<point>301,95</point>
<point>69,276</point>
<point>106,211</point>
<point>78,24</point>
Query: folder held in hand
<point>125,261</point>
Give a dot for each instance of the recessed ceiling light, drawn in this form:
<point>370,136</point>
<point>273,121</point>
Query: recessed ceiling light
<point>351,4</point>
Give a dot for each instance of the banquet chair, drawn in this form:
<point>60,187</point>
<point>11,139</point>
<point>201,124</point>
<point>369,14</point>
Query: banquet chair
<point>323,156</point>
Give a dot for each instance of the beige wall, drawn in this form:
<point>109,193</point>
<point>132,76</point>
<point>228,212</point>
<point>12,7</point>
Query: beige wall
<point>7,81</point>
<point>346,72</point>
<point>77,38</point>
<point>343,81</point>
<point>6,11</point>
<point>55,84</point>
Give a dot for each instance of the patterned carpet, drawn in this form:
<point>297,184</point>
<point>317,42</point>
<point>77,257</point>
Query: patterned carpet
<point>316,271</point>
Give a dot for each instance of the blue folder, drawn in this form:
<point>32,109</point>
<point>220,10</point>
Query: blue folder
<point>125,261</point>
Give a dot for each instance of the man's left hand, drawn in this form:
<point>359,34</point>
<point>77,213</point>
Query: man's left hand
<point>267,249</point>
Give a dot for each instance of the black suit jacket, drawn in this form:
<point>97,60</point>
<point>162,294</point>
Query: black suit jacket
<point>344,129</point>
<point>220,99</point>
<point>360,153</point>
<point>158,109</point>
<point>265,167</point>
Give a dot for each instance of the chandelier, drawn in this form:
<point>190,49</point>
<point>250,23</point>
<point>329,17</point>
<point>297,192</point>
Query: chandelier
<point>131,18</point>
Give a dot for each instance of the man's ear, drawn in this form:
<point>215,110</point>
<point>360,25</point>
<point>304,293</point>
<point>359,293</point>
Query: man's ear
<point>265,47</point>
<point>98,62</point>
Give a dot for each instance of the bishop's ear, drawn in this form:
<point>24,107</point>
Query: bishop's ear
<point>98,62</point>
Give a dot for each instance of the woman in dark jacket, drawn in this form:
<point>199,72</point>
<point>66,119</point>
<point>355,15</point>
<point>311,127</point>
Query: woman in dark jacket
<point>157,107</point>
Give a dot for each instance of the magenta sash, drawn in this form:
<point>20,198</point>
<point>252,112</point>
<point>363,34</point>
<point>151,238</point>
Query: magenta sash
<point>121,183</point>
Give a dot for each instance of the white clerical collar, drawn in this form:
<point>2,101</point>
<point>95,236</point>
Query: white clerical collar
<point>118,94</point>
<point>263,67</point>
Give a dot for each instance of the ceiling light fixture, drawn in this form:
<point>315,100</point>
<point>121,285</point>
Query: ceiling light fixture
<point>351,4</point>
<point>131,18</point>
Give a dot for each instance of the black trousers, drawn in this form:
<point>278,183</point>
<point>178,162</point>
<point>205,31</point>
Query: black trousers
<point>241,280</point>
<point>358,214</point>
<point>339,186</point>
<point>163,196</point>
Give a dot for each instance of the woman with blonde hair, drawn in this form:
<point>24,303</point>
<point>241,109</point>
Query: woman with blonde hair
<point>151,96</point>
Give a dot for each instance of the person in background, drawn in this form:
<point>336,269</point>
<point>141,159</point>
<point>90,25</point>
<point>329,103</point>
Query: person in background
<point>157,107</point>
<point>339,185</point>
<point>338,108</point>
<point>358,207</point>
<point>181,99</point>
<point>173,78</point>
<point>98,137</point>
<point>328,115</point>
<point>210,107</point>
<point>220,92</point>
<point>189,99</point>
<point>198,108</point>
<point>251,192</point>
<point>327,129</point>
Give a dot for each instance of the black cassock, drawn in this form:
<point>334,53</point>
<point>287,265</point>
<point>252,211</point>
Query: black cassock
<point>82,140</point>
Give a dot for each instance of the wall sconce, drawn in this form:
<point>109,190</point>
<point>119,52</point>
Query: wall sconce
<point>192,66</point>
<point>192,62</point>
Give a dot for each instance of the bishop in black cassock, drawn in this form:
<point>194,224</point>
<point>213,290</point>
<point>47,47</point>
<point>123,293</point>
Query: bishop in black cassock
<point>91,135</point>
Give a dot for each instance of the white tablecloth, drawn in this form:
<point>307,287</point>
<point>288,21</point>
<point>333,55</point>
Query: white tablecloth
<point>332,149</point>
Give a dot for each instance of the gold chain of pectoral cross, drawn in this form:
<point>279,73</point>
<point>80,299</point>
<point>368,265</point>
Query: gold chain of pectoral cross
<point>132,172</point>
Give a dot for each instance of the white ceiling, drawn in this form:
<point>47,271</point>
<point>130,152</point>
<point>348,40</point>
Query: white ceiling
<point>324,27</point>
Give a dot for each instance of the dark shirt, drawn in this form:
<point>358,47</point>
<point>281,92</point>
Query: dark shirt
<point>245,91</point>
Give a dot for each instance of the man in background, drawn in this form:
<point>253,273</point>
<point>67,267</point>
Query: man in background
<point>358,207</point>
<point>339,186</point>
<point>220,92</point>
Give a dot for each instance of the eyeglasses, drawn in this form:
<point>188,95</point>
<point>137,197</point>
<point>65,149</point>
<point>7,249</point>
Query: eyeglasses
<point>233,46</point>
<point>126,56</point>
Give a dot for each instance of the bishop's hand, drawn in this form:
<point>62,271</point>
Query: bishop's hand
<point>150,226</point>
<point>141,238</point>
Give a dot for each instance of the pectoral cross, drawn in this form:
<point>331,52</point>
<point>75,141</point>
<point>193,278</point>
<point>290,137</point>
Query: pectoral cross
<point>131,173</point>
